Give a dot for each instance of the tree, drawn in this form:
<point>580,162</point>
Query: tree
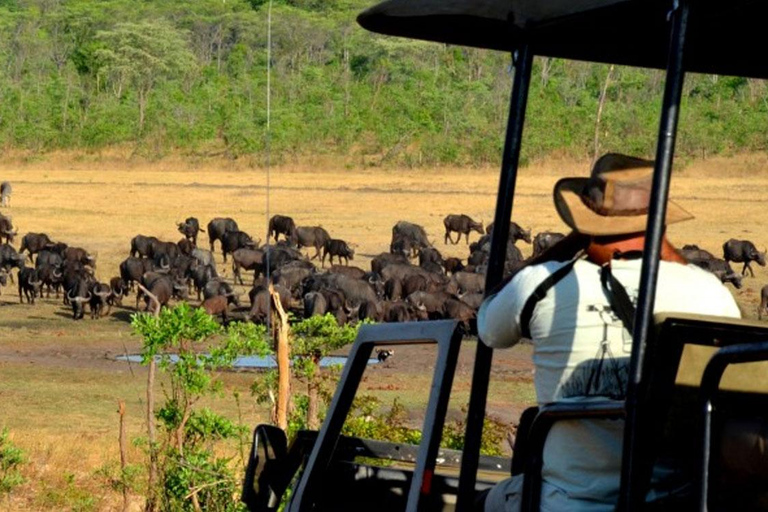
<point>141,55</point>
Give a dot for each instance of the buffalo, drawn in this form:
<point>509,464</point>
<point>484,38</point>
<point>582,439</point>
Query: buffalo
<point>201,274</point>
<point>219,305</point>
<point>142,246</point>
<point>218,227</point>
<point>131,269</point>
<point>544,241</point>
<point>314,236</point>
<point>743,251</point>
<point>461,224</point>
<point>338,248</point>
<point>282,225</point>
<point>247,259</point>
<point>190,228</point>
<point>413,235</point>
<point>119,290</point>
<point>29,284</point>
<point>515,232</point>
<point>5,194</point>
<point>234,240</point>
<point>78,294</point>
<point>34,243</point>
<point>6,229</point>
<point>100,294</point>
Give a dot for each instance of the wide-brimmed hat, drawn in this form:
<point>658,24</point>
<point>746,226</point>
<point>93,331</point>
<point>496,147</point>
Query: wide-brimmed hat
<point>613,200</point>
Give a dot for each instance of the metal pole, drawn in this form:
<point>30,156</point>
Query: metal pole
<point>634,469</point>
<point>495,273</point>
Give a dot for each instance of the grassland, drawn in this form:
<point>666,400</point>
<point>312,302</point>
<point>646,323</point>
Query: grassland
<point>59,383</point>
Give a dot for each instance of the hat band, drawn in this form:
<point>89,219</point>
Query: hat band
<point>605,212</point>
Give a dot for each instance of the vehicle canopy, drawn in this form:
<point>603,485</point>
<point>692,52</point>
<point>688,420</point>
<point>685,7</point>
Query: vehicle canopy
<point>723,38</point>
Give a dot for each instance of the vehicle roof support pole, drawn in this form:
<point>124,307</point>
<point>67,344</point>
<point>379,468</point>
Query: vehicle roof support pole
<point>635,469</point>
<point>495,273</point>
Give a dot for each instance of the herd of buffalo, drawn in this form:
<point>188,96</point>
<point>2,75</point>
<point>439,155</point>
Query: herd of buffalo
<point>411,281</point>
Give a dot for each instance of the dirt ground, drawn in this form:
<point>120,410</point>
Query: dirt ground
<point>59,381</point>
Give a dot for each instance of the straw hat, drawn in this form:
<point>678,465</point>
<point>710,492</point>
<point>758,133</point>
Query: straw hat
<point>613,200</point>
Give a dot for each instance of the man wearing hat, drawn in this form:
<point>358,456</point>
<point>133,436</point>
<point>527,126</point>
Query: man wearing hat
<point>575,303</point>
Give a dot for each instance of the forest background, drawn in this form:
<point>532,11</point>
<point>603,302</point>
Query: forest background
<point>188,77</point>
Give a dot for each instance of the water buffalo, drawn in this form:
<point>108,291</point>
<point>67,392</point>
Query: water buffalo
<point>277,256</point>
<point>9,258</point>
<point>338,248</point>
<point>515,232</point>
<point>462,312</point>
<point>216,286</point>
<point>6,229</point>
<point>292,278</point>
<point>763,302</point>
<point>100,294</point>
<point>393,289</point>
<point>219,305</point>
<point>545,240</point>
<point>218,226</point>
<point>78,294</point>
<point>29,284</point>
<point>51,277</point>
<point>185,246</point>
<point>190,228</point>
<point>34,243</point>
<point>411,234</point>
<point>79,255</point>
<point>5,194</point>
<point>247,259</point>
<point>163,287</point>
<point>315,304</point>
<point>461,224</point>
<point>721,268</point>
<point>119,290</point>
<point>314,236</point>
<point>203,256</point>
<point>142,245</point>
<point>743,251</point>
<point>432,303</point>
<point>382,260</point>
<point>201,274</point>
<point>234,240</point>
<point>694,252</point>
<point>353,272</point>
<point>282,225</point>
<point>131,269</point>
<point>452,265</point>
<point>261,302</point>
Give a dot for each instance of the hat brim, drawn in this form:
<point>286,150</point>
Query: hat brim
<point>578,216</point>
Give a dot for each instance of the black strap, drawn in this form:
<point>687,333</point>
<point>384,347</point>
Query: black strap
<point>539,293</point>
<point>618,298</point>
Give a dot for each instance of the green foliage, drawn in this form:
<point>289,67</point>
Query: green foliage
<point>11,460</point>
<point>190,347</point>
<point>75,73</point>
<point>494,433</point>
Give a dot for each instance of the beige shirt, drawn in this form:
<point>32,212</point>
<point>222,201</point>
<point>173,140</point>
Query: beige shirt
<point>581,352</point>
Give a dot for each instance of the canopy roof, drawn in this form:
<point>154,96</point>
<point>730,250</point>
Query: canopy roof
<point>724,37</point>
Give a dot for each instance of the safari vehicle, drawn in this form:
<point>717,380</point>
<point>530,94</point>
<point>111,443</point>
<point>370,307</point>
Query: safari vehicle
<point>669,408</point>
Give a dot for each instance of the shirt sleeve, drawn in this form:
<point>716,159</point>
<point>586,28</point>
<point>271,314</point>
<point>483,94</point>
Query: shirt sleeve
<point>498,320</point>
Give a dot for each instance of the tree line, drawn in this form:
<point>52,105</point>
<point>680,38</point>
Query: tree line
<point>189,77</point>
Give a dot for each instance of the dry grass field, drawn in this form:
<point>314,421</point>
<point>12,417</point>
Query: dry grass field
<point>59,383</point>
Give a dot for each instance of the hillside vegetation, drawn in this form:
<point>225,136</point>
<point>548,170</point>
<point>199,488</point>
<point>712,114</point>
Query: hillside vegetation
<point>189,77</point>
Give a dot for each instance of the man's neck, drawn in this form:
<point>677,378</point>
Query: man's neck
<point>603,250</point>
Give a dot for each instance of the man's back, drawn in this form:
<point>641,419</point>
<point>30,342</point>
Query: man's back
<point>582,353</point>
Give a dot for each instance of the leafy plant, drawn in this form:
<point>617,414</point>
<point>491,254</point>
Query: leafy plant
<point>191,347</point>
<point>11,460</point>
